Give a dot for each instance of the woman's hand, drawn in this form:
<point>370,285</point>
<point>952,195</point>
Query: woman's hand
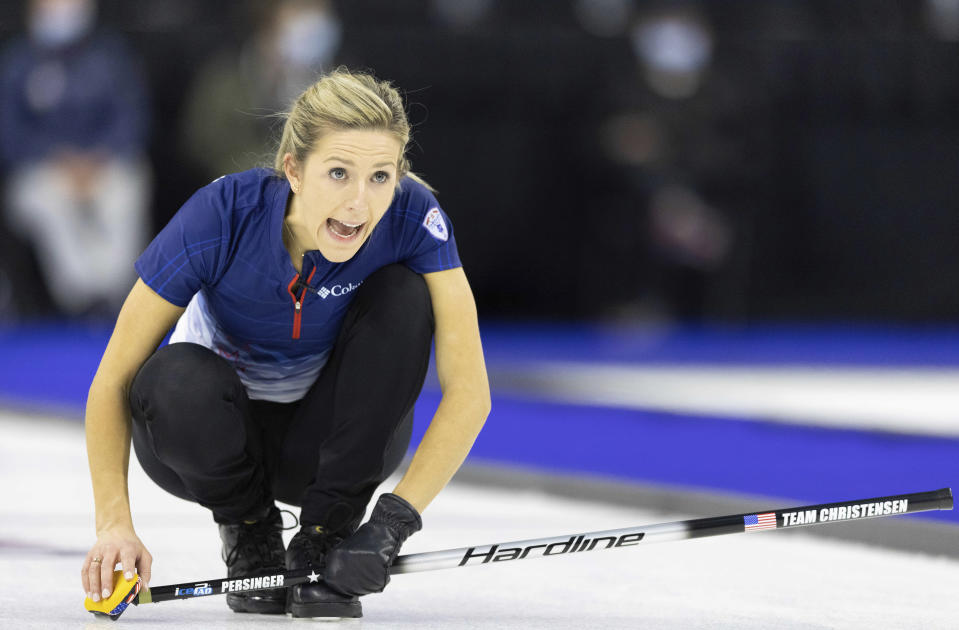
<point>114,545</point>
<point>361,563</point>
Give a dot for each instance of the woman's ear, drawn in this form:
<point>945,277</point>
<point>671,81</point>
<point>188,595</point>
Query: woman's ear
<point>292,171</point>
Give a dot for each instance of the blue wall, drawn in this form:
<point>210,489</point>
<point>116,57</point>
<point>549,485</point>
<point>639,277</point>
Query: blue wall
<point>50,365</point>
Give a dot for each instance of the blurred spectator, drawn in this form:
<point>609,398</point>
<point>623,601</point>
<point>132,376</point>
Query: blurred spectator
<point>672,137</point>
<point>72,141</point>
<point>674,49</point>
<point>229,109</point>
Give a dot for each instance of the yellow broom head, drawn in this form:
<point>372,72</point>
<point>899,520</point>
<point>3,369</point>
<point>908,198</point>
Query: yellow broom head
<point>124,592</point>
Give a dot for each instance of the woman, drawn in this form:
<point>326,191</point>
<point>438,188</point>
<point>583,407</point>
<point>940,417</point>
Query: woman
<point>305,300</point>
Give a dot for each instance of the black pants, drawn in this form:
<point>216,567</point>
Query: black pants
<point>199,437</point>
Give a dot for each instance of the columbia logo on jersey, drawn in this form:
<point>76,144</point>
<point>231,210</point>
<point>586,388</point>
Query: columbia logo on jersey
<point>338,289</point>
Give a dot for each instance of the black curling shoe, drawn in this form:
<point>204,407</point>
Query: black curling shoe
<point>255,548</point>
<point>315,599</point>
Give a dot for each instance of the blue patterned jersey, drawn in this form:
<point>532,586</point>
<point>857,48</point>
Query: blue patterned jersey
<point>222,256</point>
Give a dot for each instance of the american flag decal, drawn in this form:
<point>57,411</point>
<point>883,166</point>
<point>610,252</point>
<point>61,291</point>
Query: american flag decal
<point>759,522</point>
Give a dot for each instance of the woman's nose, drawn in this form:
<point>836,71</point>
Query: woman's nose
<point>359,197</point>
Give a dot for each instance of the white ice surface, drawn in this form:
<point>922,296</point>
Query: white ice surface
<point>765,580</point>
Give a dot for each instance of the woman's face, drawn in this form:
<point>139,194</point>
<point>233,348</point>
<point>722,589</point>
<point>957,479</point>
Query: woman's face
<point>343,190</point>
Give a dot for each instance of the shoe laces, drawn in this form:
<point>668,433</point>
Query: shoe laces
<point>314,541</point>
<point>253,538</point>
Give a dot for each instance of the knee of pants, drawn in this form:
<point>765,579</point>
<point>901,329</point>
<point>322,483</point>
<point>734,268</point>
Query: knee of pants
<point>395,294</point>
<point>186,393</point>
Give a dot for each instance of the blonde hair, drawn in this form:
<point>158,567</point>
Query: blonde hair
<point>342,100</point>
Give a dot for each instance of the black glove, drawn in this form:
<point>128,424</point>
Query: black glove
<point>361,563</point>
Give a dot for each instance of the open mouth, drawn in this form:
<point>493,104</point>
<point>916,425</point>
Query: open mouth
<point>343,231</point>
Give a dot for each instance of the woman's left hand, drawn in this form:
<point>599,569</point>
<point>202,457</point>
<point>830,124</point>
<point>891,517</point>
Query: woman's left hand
<point>361,564</point>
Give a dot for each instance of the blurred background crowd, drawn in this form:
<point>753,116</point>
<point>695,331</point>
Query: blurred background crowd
<point>624,160</point>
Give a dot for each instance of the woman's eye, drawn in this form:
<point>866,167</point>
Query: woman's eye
<point>381,177</point>
<point>338,173</point>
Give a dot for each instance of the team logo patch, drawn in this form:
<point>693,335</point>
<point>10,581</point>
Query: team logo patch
<point>435,224</point>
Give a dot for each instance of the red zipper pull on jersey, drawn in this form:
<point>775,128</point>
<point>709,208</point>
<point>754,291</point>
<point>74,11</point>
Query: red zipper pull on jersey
<point>297,306</point>
<point>298,302</point>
